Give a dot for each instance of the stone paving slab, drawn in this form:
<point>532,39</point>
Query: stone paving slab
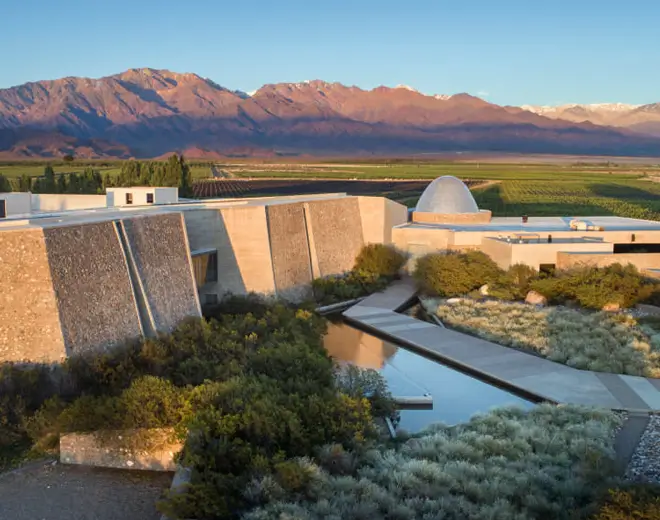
<point>518,371</point>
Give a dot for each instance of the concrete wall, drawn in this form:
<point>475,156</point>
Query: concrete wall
<point>95,299</point>
<point>289,248</point>
<point>158,247</point>
<point>46,202</point>
<point>378,216</point>
<point>642,261</point>
<point>335,234</point>
<point>16,203</point>
<point>116,197</point>
<point>240,235</point>
<point>481,217</point>
<point>29,321</point>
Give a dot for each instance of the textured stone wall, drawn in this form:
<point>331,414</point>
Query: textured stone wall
<point>289,250</point>
<point>159,249</point>
<point>29,321</point>
<point>335,231</point>
<point>94,294</point>
<point>119,449</point>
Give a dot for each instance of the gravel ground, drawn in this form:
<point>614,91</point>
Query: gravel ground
<point>645,463</point>
<point>52,491</point>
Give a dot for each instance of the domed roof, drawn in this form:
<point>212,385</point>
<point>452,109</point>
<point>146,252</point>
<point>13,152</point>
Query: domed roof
<point>447,195</point>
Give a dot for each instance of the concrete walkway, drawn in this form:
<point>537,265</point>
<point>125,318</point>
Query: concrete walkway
<point>525,374</point>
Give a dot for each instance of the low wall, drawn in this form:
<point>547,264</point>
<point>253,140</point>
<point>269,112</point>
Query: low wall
<point>118,449</point>
<point>158,247</point>
<point>642,261</point>
<point>95,299</point>
<point>47,202</point>
<point>29,318</point>
<point>481,217</point>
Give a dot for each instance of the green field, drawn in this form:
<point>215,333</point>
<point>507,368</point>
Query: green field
<point>569,189</point>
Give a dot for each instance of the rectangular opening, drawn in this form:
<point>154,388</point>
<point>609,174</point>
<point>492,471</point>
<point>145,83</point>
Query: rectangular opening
<point>150,198</point>
<point>212,268</point>
<point>129,198</point>
<point>3,208</point>
<point>547,269</point>
<point>636,247</point>
<point>205,267</point>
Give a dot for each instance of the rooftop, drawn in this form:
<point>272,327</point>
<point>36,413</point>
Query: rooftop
<point>545,224</point>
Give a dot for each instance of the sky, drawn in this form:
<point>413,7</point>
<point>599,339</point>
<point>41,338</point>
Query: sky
<point>509,52</point>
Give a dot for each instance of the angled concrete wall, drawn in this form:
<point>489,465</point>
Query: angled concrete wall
<point>378,216</point>
<point>158,247</point>
<point>29,320</point>
<point>95,299</point>
<point>335,234</point>
<point>240,235</point>
<point>289,250</point>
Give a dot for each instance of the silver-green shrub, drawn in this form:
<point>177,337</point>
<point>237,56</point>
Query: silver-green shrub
<point>550,462</point>
<point>597,341</point>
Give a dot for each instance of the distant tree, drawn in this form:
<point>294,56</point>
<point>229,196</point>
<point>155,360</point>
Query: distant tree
<point>5,185</point>
<point>37,186</point>
<point>68,158</point>
<point>185,184</point>
<point>61,184</point>
<point>74,184</point>
<point>107,181</point>
<point>48,185</point>
<point>24,183</point>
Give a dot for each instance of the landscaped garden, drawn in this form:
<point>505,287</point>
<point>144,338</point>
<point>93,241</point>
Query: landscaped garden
<point>470,293</point>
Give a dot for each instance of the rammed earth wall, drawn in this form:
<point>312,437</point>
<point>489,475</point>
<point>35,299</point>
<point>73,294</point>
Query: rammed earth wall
<point>335,234</point>
<point>29,321</point>
<point>289,250</point>
<point>158,246</point>
<point>95,300</point>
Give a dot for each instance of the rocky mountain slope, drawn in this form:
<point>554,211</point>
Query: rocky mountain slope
<point>147,112</point>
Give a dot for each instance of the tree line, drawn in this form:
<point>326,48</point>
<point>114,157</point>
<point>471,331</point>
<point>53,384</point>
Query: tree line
<point>174,172</point>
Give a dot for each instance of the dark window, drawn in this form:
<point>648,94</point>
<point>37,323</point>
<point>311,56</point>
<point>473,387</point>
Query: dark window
<point>212,268</point>
<point>210,299</point>
<point>3,208</point>
<point>636,247</point>
<point>129,198</point>
<point>205,267</point>
<point>150,198</point>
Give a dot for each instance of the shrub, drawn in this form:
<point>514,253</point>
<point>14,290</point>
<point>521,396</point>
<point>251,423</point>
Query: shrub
<point>515,283</point>
<point>593,341</point>
<point>595,287</point>
<point>379,260</point>
<point>639,502</point>
<point>550,462</point>
<point>455,274</point>
<point>338,288</point>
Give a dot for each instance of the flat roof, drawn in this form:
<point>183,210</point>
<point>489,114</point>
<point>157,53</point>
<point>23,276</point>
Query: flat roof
<point>545,224</point>
<point>88,216</point>
<point>543,239</point>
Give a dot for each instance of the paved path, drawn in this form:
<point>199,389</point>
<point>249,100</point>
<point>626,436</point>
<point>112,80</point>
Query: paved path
<point>525,374</point>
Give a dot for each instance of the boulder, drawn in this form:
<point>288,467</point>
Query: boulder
<point>483,290</point>
<point>454,300</point>
<point>536,298</point>
<point>611,307</point>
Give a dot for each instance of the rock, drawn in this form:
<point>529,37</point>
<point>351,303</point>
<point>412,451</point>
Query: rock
<point>483,290</point>
<point>454,300</point>
<point>536,298</point>
<point>611,307</point>
<point>648,310</point>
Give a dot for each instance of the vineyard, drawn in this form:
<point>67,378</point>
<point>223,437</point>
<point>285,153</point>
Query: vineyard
<point>635,199</point>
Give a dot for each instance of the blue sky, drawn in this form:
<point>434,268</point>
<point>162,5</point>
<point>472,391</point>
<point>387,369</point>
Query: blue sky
<point>509,51</point>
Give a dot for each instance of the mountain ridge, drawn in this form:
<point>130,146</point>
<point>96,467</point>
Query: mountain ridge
<point>148,112</point>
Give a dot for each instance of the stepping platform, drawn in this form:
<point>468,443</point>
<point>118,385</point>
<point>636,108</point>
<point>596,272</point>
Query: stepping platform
<point>528,375</point>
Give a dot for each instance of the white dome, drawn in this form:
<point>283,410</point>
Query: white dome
<point>447,195</point>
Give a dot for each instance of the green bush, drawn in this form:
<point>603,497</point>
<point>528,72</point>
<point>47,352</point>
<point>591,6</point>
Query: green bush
<point>455,274</point>
<point>515,283</point>
<point>551,462</point>
<point>379,260</point>
<point>595,287</point>
<point>339,288</point>
<point>638,502</point>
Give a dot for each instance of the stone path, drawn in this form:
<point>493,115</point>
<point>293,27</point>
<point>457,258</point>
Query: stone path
<point>525,374</point>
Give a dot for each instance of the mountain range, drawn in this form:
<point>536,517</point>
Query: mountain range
<point>148,113</point>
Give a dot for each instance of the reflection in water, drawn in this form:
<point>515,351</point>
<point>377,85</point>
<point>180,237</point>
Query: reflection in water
<point>456,396</point>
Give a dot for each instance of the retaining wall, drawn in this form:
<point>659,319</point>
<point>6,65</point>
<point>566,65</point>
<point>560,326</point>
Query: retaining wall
<point>95,301</point>
<point>29,319</point>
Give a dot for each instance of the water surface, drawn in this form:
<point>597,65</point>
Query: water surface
<point>456,396</point>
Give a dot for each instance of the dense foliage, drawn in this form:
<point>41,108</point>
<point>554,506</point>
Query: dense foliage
<point>550,462</point>
<point>638,502</point>
<point>595,287</point>
<point>597,341</point>
<point>375,266</point>
<point>455,274</point>
<point>248,392</point>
